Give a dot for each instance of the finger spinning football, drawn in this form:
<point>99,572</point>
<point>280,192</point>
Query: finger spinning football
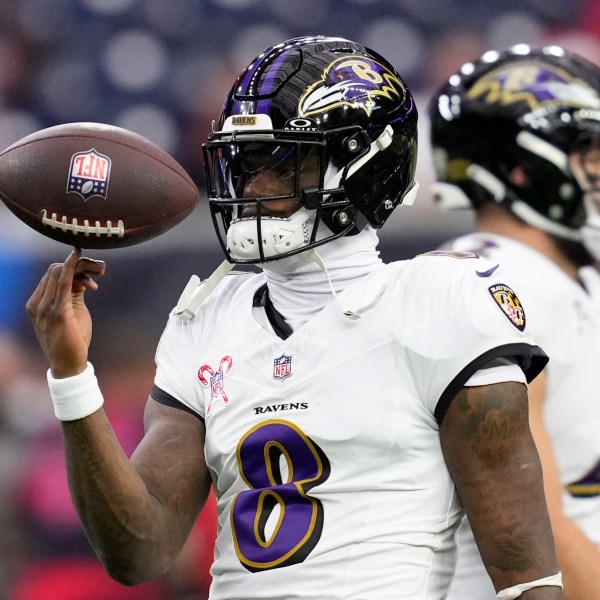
<point>94,185</point>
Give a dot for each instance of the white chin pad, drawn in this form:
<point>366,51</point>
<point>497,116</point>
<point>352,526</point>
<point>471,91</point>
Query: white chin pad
<point>279,236</point>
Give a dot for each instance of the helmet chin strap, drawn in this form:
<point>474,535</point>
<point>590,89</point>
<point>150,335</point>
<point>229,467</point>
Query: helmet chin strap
<point>350,310</point>
<point>197,291</point>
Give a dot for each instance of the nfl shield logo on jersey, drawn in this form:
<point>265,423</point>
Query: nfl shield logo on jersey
<point>282,367</point>
<point>89,174</point>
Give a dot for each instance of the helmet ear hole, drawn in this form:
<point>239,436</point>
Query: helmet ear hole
<point>341,219</point>
<point>355,145</point>
<point>518,177</point>
<point>345,217</point>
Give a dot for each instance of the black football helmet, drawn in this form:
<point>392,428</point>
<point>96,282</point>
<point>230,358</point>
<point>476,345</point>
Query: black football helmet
<point>501,112</point>
<point>579,129</point>
<point>331,127</point>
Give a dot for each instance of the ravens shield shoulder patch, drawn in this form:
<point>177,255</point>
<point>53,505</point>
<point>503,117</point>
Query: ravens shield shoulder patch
<point>509,303</point>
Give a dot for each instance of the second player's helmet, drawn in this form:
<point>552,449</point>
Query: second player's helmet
<point>492,143</point>
<point>334,124</point>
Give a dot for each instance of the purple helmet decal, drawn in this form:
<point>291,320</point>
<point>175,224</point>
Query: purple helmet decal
<point>537,84</point>
<point>352,81</point>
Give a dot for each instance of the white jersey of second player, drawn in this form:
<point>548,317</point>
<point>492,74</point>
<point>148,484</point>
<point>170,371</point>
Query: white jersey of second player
<point>324,447</point>
<point>564,317</point>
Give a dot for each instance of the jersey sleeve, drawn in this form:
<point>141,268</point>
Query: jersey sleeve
<point>175,382</point>
<point>181,345</point>
<point>471,315</point>
<point>493,373</point>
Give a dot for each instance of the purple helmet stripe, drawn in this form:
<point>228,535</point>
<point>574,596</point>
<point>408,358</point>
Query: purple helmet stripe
<point>267,87</point>
<point>257,70</point>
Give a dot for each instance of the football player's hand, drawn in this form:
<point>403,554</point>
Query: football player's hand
<point>61,320</point>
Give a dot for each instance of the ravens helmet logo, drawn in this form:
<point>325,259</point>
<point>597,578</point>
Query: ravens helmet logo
<point>352,81</point>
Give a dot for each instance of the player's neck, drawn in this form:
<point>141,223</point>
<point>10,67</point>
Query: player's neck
<point>300,288</point>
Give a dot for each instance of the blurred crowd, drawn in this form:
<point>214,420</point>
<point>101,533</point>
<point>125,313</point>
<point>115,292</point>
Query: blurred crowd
<point>162,68</point>
<point>43,551</point>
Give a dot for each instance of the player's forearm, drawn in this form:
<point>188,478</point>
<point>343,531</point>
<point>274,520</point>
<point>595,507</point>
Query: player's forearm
<point>511,526</point>
<point>125,524</point>
<point>495,465</point>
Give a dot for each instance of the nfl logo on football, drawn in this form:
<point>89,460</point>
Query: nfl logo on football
<point>282,367</point>
<point>89,174</point>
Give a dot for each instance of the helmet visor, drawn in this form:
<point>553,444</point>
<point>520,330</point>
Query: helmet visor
<point>261,170</point>
<point>263,179</point>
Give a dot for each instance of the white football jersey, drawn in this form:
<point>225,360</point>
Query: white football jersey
<point>563,317</point>
<point>324,447</point>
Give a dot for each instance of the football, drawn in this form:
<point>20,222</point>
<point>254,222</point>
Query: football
<point>95,185</point>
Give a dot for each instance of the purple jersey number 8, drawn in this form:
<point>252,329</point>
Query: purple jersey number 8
<point>300,521</point>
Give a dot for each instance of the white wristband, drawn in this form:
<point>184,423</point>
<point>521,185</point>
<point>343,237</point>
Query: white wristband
<point>75,397</point>
<point>516,590</point>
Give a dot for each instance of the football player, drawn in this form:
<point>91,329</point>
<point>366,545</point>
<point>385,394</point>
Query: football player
<point>337,404</point>
<point>502,130</point>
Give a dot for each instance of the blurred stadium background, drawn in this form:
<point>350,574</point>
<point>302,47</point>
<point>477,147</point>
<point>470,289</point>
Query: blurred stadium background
<point>162,69</point>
